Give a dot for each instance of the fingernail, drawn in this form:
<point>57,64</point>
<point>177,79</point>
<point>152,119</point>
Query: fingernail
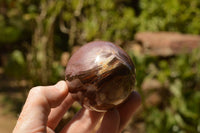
<point>61,85</point>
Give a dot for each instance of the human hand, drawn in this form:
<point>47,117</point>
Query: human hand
<point>46,105</point>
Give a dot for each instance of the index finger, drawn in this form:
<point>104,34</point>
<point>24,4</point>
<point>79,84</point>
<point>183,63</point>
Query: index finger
<point>37,107</point>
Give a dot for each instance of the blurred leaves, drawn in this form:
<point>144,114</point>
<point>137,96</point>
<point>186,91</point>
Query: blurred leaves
<point>179,110</point>
<point>11,31</point>
<point>171,15</point>
<point>16,66</point>
<point>34,34</point>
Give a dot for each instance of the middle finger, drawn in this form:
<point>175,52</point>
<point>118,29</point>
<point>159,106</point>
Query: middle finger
<point>57,113</point>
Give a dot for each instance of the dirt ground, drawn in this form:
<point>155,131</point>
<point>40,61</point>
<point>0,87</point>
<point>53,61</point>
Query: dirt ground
<point>7,121</point>
<point>7,118</point>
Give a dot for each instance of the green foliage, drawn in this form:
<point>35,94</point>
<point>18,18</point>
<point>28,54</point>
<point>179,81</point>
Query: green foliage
<point>57,72</point>
<point>86,20</point>
<point>93,19</point>
<point>9,33</point>
<point>171,15</point>
<point>179,110</point>
<point>16,66</point>
<point>42,30</point>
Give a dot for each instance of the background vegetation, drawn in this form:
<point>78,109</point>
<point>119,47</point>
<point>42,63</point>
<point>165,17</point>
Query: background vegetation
<point>34,34</point>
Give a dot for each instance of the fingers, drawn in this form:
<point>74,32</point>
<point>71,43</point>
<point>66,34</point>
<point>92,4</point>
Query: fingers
<point>57,113</point>
<point>113,122</point>
<point>37,107</point>
<point>127,109</point>
<point>110,123</point>
<point>84,122</point>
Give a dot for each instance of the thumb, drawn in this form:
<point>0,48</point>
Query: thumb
<point>41,99</point>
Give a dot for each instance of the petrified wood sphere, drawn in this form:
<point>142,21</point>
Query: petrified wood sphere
<point>100,75</point>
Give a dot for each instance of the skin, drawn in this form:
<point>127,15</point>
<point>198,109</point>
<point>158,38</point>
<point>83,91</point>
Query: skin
<point>46,105</point>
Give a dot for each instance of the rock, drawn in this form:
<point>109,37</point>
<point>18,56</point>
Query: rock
<point>167,43</point>
<point>151,84</point>
<point>134,47</point>
<point>153,99</point>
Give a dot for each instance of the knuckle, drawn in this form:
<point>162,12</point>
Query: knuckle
<point>35,90</point>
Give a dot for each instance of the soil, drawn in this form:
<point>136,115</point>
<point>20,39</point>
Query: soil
<point>7,121</point>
